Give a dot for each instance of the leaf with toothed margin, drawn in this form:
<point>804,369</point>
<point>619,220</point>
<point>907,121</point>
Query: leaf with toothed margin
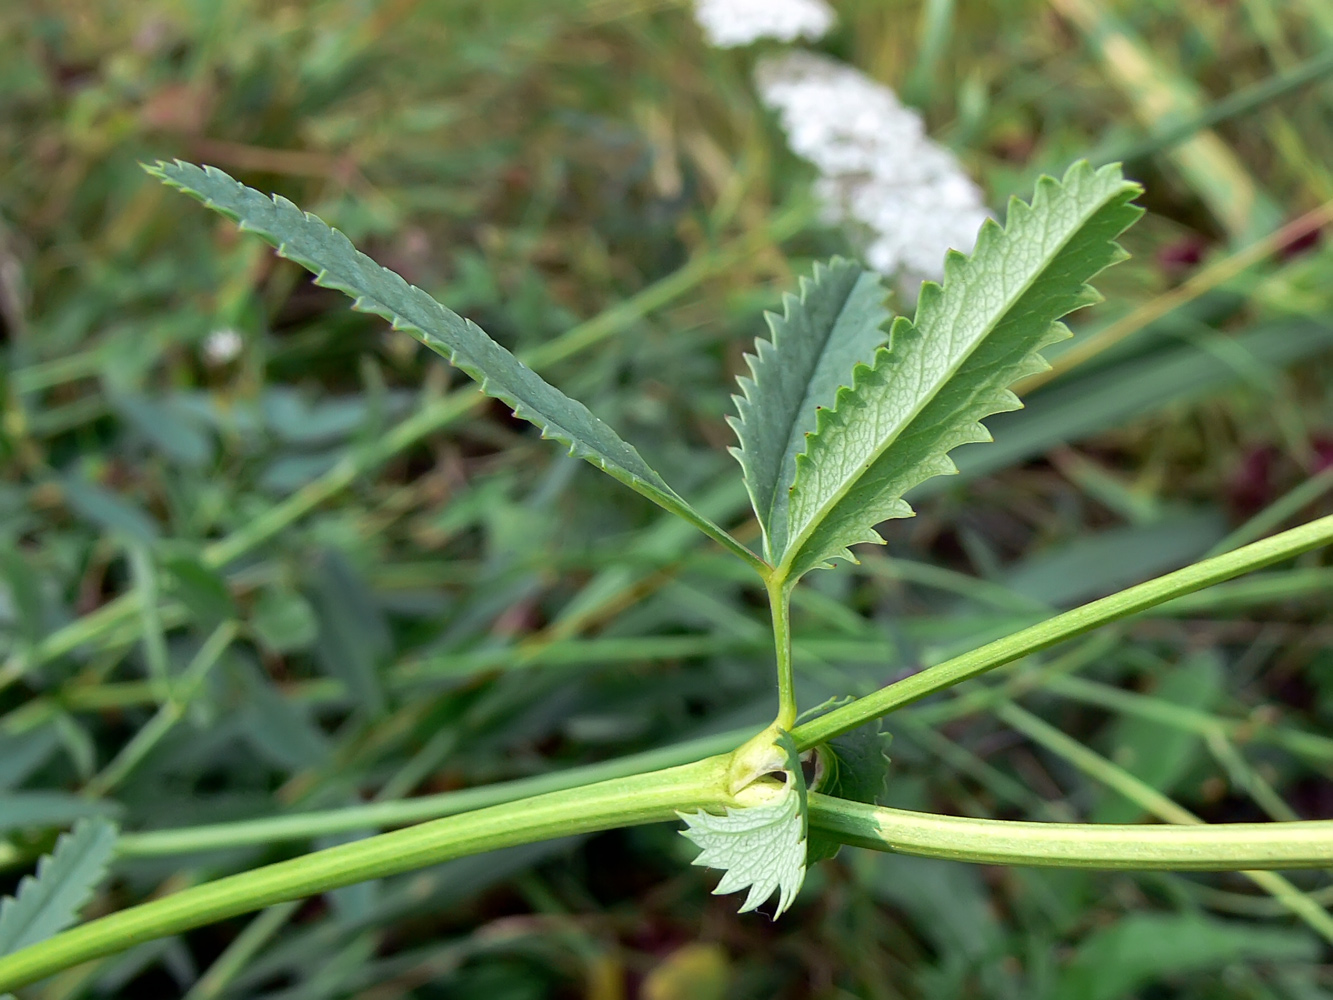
<point>50,901</point>
<point>838,320</point>
<point>949,368</point>
<point>337,264</point>
<point>759,845</point>
<point>853,766</point>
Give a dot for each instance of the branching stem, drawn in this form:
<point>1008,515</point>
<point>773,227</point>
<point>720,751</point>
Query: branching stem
<point>656,796</point>
<point>642,798</point>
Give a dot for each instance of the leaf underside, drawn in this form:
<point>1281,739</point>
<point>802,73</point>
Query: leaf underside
<point>837,321</point>
<point>760,845</point>
<point>50,901</point>
<point>330,256</point>
<point>943,372</point>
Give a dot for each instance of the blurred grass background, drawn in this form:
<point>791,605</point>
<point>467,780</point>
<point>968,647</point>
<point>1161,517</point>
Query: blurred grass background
<point>258,556</point>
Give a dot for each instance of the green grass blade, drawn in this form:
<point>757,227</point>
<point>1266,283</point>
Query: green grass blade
<point>837,321</point>
<point>336,264</point>
<point>951,367</point>
<point>49,902</point>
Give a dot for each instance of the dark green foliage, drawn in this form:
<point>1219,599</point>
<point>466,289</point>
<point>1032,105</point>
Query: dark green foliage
<point>50,900</point>
<point>855,766</point>
<point>534,166</point>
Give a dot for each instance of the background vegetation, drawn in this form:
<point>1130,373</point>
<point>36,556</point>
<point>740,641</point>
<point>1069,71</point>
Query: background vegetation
<point>256,557</point>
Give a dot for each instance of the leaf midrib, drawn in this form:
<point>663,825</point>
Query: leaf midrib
<point>794,546</point>
<point>794,421</point>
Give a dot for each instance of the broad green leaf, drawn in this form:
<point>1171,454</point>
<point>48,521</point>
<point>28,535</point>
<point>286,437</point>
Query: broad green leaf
<point>50,901</point>
<point>945,371</point>
<point>760,845</point>
<point>330,256</point>
<point>837,321</point>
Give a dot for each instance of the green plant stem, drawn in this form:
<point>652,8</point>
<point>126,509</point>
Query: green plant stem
<point>1150,800</point>
<point>1278,511</point>
<point>643,798</point>
<point>432,417</point>
<point>779,602</point>
<point>378,815</point>
<point>214,982</point>
<point>1242,101</point>
<point>168,714</point>
<point>1315,748</point>
<point>656,796</point>
<point>1135,847</point>
<point>1065,626</point>
<point>151,632</point>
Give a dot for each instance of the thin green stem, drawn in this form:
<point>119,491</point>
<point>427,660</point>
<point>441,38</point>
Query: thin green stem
<point>1149,799</point>
<point>1278,511</point>
<point>214,982</point>
<point>153,635</point>
<point>779,602</point>
<point>643,798</point>
<point>1065,626</point>
<point>1313,747</point>
<point>1135,847</point>
<point>381,815</point>
<point>1240,102</point>
<point>166,717</point>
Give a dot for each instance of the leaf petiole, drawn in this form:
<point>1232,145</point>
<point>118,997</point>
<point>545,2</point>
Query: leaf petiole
<point>779,601</point>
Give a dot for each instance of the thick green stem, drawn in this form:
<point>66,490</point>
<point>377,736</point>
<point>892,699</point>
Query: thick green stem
<point>1138,847</point>
<point>642,798</point>
<point>1065,626</point>
<point>779,602</point>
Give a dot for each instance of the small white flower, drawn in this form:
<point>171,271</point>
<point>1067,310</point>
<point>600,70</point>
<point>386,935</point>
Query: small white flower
<point>222,346</point>
<point>733,23</point>
<point>879,170</point>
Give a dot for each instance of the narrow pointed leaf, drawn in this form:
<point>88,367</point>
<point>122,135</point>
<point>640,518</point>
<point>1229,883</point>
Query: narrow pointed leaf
<point>337,264</point>
<point>838,320</point>
<point>50,901</point>
<point>927,392</point>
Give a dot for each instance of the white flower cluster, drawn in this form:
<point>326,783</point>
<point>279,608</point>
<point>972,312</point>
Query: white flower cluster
<point>222,346</point>
<point>733,23</point>
<point>878,168</point>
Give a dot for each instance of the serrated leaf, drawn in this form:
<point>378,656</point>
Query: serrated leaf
<point>50,901</point>
<point>942,373</point>
<point>760,845</point>
<point>855,767</point>
<point>837,321</point>
<point>330,256</point>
